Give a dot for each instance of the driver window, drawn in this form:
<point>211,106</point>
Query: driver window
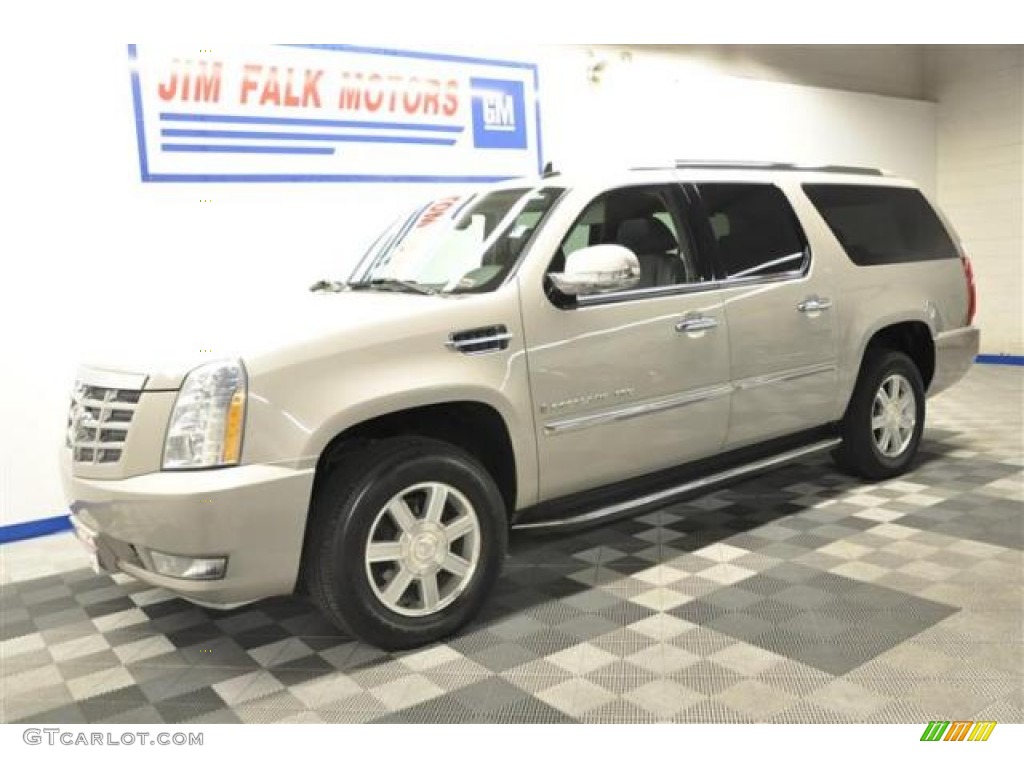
<point>640,219</point>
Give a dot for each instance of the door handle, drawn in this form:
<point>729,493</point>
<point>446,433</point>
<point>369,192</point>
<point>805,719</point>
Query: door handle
<point>697,323</point>
<point>814,304</point>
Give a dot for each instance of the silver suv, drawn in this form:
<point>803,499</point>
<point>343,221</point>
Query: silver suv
<point>535,354</point>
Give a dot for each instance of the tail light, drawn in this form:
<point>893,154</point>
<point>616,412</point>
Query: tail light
<point>972,290</point>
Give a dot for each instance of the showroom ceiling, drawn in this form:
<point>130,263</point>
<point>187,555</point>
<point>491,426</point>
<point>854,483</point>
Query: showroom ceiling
<point>903,71</point>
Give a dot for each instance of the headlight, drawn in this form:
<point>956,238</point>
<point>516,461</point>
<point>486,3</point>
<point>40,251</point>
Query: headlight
<point>206,425</point>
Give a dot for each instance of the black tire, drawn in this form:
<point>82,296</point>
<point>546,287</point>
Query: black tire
<point>350,507</point>
<point>860,453</point>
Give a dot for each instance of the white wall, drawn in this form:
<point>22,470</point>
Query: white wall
<point>658,106</point>
<point>886,70</point>
<point>980,120</point>
<point>89,252</point>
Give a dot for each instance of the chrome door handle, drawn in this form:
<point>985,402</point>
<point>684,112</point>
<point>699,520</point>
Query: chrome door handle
<point>814,304</point>
<point>693,324</point>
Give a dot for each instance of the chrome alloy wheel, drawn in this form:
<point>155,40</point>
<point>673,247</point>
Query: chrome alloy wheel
<point>423,549</point>
<point>893,416</point>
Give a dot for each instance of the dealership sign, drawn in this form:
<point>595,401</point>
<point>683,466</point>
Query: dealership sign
<point>332,113</point>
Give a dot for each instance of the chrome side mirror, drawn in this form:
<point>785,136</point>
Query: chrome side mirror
<point>598,269</point>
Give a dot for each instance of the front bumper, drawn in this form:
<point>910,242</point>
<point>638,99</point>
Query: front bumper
<point>254,515</point>
<point>954,355</point>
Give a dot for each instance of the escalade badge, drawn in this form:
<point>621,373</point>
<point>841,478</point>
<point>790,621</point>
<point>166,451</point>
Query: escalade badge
<point>595,397</point>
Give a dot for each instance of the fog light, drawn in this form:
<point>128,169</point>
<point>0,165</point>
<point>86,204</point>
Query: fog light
<point>196,568</point>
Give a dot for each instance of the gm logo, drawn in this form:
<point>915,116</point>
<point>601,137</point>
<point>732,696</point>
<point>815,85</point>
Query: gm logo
<point>499,114</point>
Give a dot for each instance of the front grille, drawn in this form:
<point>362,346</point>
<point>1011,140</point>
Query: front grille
<point>98,422</point>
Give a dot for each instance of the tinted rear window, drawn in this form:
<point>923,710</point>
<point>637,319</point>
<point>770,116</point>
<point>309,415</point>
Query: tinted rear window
<point>882,225</point>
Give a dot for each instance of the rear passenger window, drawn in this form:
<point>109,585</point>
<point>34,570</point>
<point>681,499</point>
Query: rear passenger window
<point>755,228</point>
<point>882,225</point>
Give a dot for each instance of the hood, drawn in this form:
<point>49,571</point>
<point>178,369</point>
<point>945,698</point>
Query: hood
<point>167,347</point>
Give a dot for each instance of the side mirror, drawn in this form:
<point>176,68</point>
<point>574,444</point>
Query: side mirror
<point>598,269</point>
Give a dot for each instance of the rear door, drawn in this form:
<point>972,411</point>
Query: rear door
<point>779,306</point>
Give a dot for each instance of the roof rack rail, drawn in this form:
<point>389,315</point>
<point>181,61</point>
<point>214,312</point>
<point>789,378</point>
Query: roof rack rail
<point>756,165</point>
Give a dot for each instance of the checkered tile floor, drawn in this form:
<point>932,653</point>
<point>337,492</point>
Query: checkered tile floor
<point>797,596</point>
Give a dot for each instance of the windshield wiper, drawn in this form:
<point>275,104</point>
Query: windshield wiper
<point>393,284</point>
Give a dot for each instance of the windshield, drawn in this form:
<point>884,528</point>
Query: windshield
<point>456,244</point>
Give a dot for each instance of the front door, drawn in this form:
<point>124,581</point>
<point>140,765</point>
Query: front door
<point>630,382</point>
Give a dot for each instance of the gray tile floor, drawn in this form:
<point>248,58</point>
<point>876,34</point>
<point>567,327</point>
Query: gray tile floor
<point>797,596</point>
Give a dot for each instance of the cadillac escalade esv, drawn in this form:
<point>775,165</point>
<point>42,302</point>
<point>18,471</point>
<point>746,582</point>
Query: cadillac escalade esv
<point>540,353</point>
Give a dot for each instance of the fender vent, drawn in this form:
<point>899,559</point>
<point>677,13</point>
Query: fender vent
<point>476,341</point>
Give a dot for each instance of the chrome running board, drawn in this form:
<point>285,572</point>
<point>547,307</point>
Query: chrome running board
<point>625,508</point>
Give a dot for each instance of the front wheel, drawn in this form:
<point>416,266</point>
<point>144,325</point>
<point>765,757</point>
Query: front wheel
<point>883,424</point>
<point>408,539</point>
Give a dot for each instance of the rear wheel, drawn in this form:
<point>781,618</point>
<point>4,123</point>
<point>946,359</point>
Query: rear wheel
<point>882,427</point>
<point>407,541</point>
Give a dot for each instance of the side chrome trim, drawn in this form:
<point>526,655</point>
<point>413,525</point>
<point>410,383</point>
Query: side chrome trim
<point>790,375</point>
<point>683,289</point>
<point>627,507</point>
<point>655,292</point>
<point>677,401</point>
<point>633,411</point>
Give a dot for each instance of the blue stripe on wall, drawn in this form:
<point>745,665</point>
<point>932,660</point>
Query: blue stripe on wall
<point>233,149</point>
<point>1000,359</point>
<point>374,138</point>
<point>34,529</point>
<point>309,121</point>
<point>271,178</point>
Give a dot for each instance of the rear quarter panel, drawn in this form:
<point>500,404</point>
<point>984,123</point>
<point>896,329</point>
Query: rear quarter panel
<point>871,298</point>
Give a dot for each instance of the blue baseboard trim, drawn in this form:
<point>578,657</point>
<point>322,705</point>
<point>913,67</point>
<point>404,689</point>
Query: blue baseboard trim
<point>1000,359</point>
<point>34,529</point>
